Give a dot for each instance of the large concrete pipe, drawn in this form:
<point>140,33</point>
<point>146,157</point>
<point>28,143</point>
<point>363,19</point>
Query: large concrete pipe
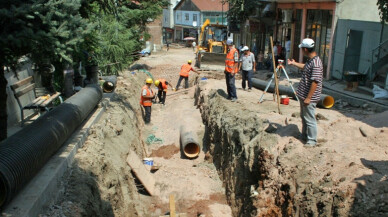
<point>25,153</point>
<point>189,143</point>
<point>326,101</point>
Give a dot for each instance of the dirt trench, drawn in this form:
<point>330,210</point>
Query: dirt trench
<point>100,182</point>
<point>258,176</point>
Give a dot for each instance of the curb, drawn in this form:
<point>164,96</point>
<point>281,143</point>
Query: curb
<point>43,188</point>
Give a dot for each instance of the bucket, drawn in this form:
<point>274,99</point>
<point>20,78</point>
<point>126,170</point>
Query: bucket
<point>148,161</point>
<point>284,100</point>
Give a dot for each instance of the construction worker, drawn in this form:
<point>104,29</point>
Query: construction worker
<point>162,86</point>
<point>247,66</point>
<point>184,74</point>
<point>231,69</point>
<point>146,100</point>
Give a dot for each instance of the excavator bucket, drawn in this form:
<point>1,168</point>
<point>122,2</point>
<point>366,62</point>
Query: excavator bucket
<point>211,61</point>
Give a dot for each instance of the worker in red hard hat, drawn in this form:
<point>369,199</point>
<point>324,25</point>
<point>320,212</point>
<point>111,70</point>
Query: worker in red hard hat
<point>162,86</point>
<point>184,74</point>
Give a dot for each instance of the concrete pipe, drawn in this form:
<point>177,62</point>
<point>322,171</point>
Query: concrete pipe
<point>326,101</point>
<point>23,154</point>
<point>189,143</point>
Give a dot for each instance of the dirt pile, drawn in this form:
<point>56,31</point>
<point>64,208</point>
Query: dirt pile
<point>267,171</point>
<point>100,182</point>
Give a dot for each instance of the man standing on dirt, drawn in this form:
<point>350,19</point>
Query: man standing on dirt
<point>231,69</point>
<point>146,100</point>
<point>162,86</point>
<point>184,74</point>
<point>248,64</point>
<point>309,90</point>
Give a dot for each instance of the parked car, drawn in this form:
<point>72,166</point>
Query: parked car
<point>145,52</point>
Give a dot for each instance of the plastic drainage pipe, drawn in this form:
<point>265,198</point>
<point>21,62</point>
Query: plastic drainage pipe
<point>109,84</point>
<point>326,101</point>
<point>189,143</point>
<point>26,152</point>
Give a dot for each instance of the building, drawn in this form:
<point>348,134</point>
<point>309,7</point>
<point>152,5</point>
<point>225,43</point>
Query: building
<point>189,15</point>
<point>154,28</point>
<point>168,22</point>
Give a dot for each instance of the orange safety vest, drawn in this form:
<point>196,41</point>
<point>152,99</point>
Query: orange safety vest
<point>185,70</point>
<point>164,85</point>
<point>229,61</point>
<point>143,101</point>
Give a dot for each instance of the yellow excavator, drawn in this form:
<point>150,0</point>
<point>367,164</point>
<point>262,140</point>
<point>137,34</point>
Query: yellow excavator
<point>211,49</point>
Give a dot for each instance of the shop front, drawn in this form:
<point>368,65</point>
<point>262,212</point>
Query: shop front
<point>307,20</point>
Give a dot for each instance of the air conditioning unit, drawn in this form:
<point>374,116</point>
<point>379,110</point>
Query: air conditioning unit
<point>287,16</point>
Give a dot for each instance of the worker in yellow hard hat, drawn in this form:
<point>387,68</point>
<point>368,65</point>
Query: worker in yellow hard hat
<point>146,100</point>
<point>184,74</point>
<point>162,86</point>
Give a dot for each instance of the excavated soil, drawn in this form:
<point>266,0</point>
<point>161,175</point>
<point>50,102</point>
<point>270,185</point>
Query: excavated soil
<point>267,171</point>
<point>251,163</point>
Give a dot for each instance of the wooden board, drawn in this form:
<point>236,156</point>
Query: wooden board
<point>172,206</point>
<point>18,84</point>
<point>49,100</point>
<point>141,172</point>
<point>25,90</point>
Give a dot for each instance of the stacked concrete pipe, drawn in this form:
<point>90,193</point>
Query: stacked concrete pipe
<point>326,101</point>
<point>26,152</point>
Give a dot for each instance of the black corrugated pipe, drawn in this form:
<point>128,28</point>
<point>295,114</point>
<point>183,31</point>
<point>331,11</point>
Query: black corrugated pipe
<point>25,153</point>
<point>326,101</point>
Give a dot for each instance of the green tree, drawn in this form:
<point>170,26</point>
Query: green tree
<point>383,7</point>
<point>44,30</point>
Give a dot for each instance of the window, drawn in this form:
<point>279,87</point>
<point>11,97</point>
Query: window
<point>194,17</point>
<point>187,17</point>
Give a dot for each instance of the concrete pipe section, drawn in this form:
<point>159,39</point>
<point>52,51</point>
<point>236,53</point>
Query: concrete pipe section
<point>326,101</point>
<point>109,83</point>
<point>26,152</point>
<point>189,143</point>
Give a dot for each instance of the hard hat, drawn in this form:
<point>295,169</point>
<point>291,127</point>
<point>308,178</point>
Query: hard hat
<point>189,61</point>
<point>157,82</point>
<point>149,81</point>
<point>307,43</point>
<point>245,48</point>
<point>229,42</point>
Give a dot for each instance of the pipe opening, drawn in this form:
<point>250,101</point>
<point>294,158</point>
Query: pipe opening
<point>108,86</point>
<point>3,192</point>
<point>191,150</point>
<point>328,102</point>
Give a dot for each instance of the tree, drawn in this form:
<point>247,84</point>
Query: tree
<point>383,7</point>
<point>43,30</point>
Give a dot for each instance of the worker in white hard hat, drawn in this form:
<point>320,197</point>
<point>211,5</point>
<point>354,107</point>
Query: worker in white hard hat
<point>184,74</point>
<point>146,99</point>
<point>247,66</point>
<point>231,69</point>
<point>309,90</point>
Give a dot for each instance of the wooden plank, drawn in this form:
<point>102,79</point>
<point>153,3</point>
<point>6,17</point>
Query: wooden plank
<point>141,172</point>
<point>21,83</point>
<point>24,90</point>
<point>172,206</point>
<point>49,100</point>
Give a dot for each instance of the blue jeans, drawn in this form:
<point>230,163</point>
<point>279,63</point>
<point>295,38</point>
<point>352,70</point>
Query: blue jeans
<point>230,85</point>
<point>309,123</point>
<point>247,76</point>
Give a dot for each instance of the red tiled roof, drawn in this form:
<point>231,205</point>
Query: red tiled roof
<point>210,5</point>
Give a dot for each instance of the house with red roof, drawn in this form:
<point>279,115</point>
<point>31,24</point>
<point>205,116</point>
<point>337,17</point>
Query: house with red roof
<point>189,15</point>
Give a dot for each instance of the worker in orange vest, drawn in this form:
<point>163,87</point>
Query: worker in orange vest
<point>231,69</point>
<point>184,74</point>
<point>162,86</point>
<point>146,100</point>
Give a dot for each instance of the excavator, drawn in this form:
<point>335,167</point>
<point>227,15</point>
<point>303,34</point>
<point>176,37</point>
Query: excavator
<point>211,49</point>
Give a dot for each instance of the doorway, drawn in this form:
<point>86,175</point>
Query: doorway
<point>353,50</point>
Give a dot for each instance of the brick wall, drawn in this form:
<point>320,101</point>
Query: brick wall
<point>155,30</point>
